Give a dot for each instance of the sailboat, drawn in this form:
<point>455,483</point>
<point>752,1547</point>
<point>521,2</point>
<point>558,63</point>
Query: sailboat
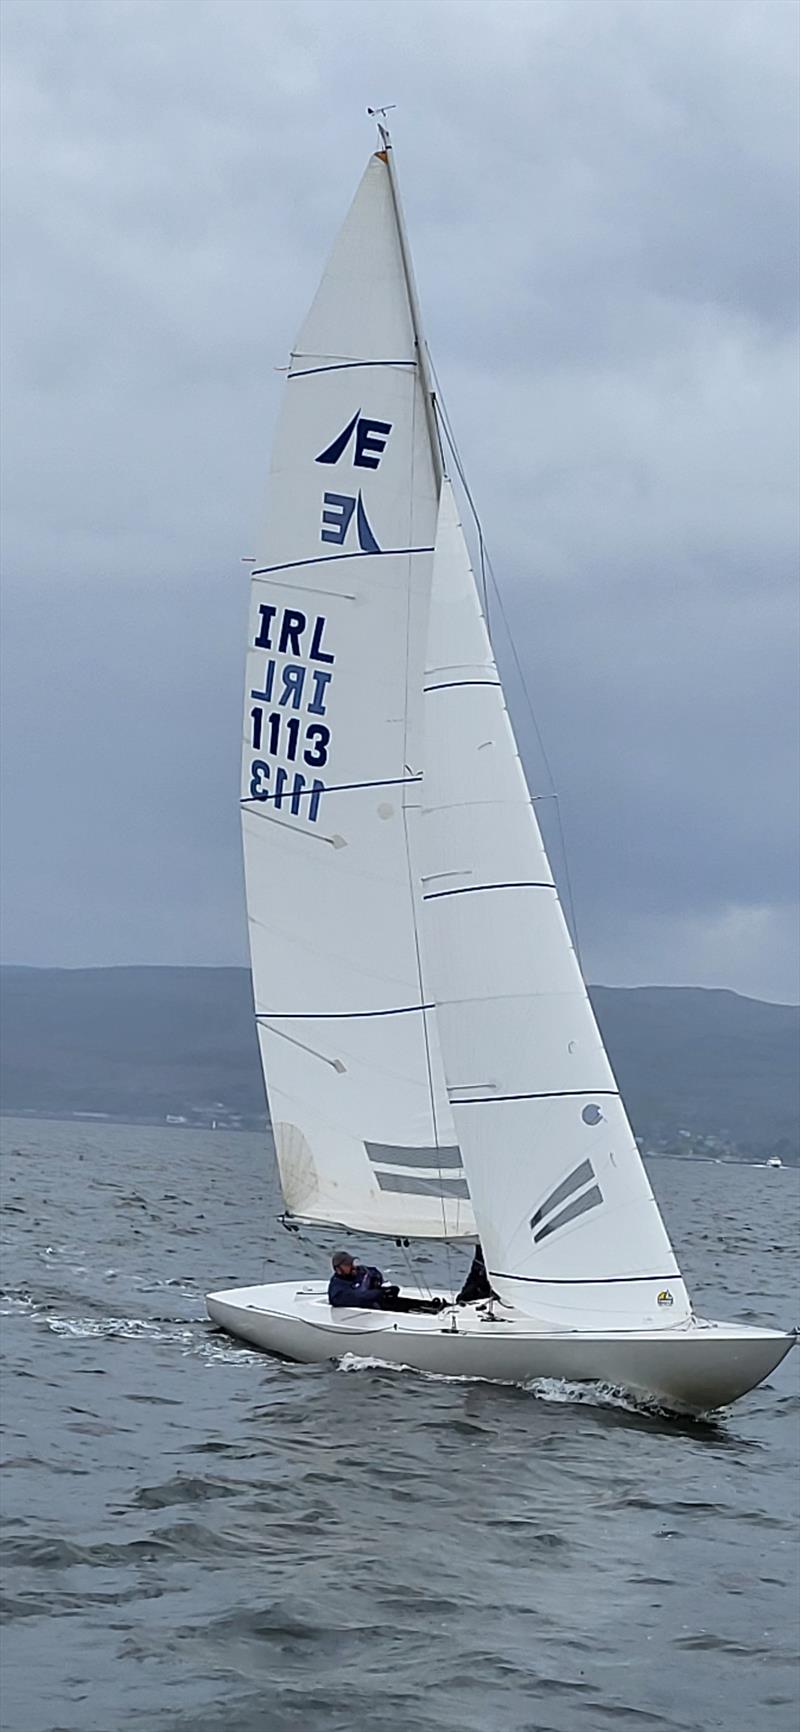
<point>433,1067</point>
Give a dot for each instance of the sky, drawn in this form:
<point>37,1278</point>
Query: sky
<point>602,197</point>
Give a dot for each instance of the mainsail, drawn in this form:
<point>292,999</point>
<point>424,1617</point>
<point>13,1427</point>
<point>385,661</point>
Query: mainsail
<point>570,1228</point>
<point>332,759</point>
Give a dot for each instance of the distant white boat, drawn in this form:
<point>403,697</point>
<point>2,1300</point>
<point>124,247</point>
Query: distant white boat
<point>774,1161</point>
<point>433,1065</point>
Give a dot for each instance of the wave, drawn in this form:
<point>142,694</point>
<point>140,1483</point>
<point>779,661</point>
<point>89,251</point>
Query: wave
<point>191,1336</point>
<point>556,1390</point>
<point>16,1301</point>
<point>553,1389</point>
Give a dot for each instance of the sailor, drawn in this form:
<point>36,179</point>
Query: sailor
<point>476,1285</point>
<point>353,1284</point>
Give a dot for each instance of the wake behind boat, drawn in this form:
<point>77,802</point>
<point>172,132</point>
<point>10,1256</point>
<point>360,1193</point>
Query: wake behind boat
<point>433,1066</point>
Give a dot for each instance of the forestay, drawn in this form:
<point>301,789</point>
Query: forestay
<point>570,1228</point>
<point>332,760</point>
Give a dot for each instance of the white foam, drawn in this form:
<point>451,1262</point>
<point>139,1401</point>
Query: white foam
<point>561,1391</point>
<point>122,1328</point>
<point>217,1353</point>
<point>368,1362</point>
<point>191,1337</point>
<point>16,1304</point>
<point>550,1389</point>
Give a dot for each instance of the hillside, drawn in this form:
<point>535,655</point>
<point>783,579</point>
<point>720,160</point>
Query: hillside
<point>148,1043</point>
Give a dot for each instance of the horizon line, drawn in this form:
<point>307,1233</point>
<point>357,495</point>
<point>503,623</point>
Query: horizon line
<point>243,968</point>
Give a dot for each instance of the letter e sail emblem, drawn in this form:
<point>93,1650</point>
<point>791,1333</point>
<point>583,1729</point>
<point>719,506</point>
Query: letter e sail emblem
<point>370,442</point>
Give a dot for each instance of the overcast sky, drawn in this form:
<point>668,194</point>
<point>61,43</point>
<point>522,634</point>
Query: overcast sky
<point>602,199</point>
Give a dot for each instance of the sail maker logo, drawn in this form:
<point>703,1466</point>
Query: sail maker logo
<point>573,1192</point>
<point>369,440</point>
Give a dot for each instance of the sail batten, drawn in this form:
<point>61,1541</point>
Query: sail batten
<point>538,1095</point>
<point>340,365</point>
<point>337,558</point>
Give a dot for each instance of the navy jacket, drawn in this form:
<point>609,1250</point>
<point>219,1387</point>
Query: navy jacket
<point>363,1288</point>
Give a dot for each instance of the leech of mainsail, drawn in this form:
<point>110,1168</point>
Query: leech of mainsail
<point>332,738</point>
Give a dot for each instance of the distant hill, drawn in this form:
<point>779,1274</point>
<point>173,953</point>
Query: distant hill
<point>700,1069</point>
<point>134,1043</point>
<point>711,1063</point>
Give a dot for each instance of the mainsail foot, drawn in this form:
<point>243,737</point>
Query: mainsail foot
<point>697,1367</point>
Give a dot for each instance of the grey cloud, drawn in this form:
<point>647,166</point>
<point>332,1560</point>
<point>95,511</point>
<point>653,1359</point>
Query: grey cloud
<point>602,201</point>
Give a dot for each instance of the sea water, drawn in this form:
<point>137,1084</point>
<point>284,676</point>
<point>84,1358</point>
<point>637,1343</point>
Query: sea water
<point>199,1537</point>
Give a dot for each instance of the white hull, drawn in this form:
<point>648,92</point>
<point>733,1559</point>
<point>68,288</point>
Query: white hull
<point>699,1366</point>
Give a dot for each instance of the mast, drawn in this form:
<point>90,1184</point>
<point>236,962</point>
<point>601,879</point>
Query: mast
<point>426,376</point>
